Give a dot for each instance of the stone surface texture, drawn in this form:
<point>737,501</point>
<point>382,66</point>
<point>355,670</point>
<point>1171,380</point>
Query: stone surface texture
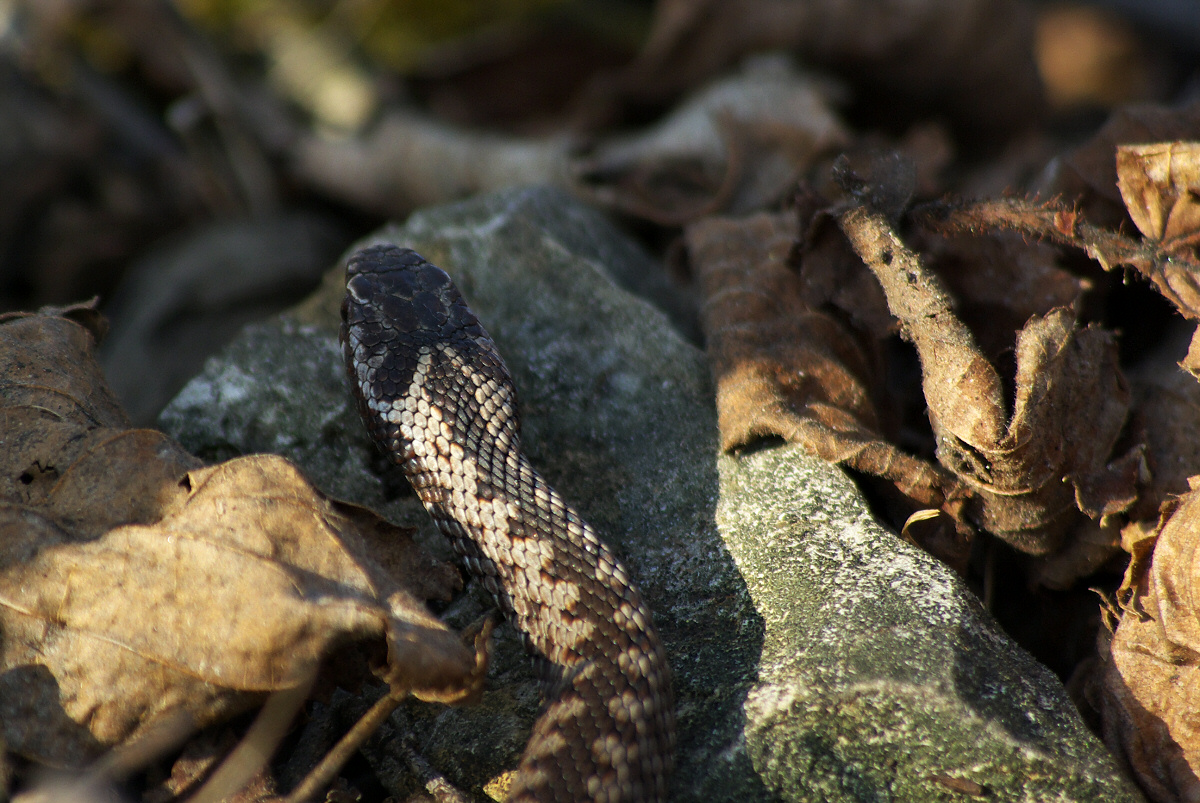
<point>816,656</point>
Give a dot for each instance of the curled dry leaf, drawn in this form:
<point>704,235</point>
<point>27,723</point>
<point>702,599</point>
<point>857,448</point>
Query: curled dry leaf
<point>787,369</point>
<point>1034,468</point>
<point>832,277</point>
<point>134,583</point>
<point>1150,681</point>
<point>736,145</point>
<point>1158,183</point>
<point>1138,539</point>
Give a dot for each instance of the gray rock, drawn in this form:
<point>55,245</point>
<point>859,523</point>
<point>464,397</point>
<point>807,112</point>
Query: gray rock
<point>816,656</point>
<point>880,672</point>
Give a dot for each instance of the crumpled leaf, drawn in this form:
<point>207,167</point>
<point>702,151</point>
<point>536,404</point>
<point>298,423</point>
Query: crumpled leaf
<point>1036,466</point>
<point>1138,538</point>
<point>1191,360</point>
<point>787,369</point>
<point>1150,681</point>
<point>736,145</point>
<point>64,432</point>
<point>1159,183</point>
<point>832,277</point>
<point>134,583</point>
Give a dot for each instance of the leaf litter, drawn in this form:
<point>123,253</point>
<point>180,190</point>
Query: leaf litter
<point>1039,438</point>
<point>136,584</point>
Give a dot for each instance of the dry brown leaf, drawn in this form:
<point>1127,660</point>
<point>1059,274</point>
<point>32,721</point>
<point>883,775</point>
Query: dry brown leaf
<point>1166,417</point>
<point>1172,272</point>
<point>1034,467</point>
<point>67,443</point>
<point>134,583</point>
<point>1138,539</point>
<point>974,58</point>
<point>736,145</point>
<point>1091,546</point>
<point>1191,361</point>
<point>784,368</point>
<point>1151,668</point>
<point>1159,183</point>
<point>832,277</point>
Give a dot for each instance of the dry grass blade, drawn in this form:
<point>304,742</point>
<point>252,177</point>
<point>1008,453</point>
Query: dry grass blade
<point>323,774</point>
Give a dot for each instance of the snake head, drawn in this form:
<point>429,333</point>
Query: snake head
<point>397,287</point>
<point>409,338</point>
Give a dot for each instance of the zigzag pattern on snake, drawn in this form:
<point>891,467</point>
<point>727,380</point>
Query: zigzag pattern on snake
<point>437,398</point>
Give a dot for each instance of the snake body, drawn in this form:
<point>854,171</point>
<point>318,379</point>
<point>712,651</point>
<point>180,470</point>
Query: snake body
<point>437,398</point>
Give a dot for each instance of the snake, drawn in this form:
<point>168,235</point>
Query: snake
<point>437,398</point>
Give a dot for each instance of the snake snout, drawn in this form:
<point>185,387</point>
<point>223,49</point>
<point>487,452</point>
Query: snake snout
<point>383,258</point>
<point>402,268</point>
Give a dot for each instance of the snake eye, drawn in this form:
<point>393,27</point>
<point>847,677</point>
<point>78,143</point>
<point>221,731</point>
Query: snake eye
<point>359,288</point>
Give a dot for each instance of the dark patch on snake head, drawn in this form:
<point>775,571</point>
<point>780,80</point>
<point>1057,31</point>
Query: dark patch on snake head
<point>383,258</point>
<point>399,313</point>
<point>358,289</point>
<point>431,310</point>
<point>400,289</point>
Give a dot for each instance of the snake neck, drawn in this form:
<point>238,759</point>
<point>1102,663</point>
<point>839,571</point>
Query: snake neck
<point>571,599</point>
<point>565,591</point>
<point>436,396</point>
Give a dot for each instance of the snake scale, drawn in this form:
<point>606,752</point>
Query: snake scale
<point>437,398</point>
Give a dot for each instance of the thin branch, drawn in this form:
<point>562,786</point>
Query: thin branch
<point>1168,266</point>
<point>320,776</point>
